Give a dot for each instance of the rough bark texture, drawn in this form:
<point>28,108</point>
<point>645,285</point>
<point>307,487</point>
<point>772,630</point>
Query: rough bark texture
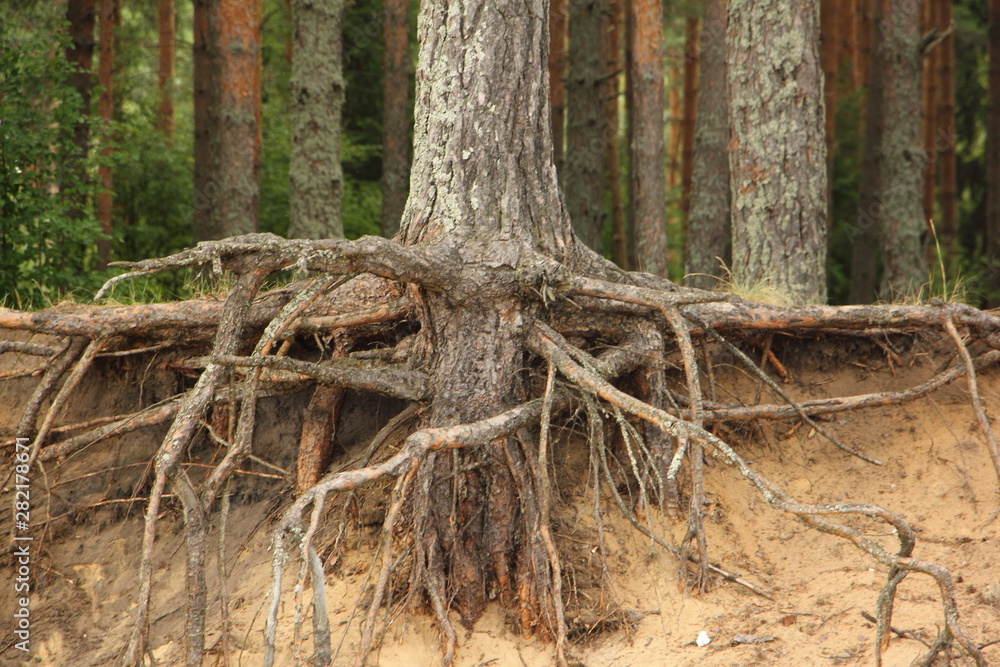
<point>316,181</point>
<point>234,202</point>
<point>903,259</point>
<point>106,111</point>
<point>708,234</point>
<point>864,236</point>
<point>206,66</point>
<point>395,116</point>
<point>484,185</point>
<point>558,34</point>
<point>584,165</point>
<point>993,161</point>
<point>647,199</point>
<point>165,64</point>
<point>778,155</point>
<point>945,135</point>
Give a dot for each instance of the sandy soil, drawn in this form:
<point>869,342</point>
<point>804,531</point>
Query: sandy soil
<point>937,474</point>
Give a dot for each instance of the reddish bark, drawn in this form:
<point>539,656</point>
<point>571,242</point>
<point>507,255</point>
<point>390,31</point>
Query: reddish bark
<point>928,21</point>
<point>691,59</point>
<point>165,67</point>
<point>946,129</point>
<point>557,76</point>
<point>619,234</point>
<point>395,116</point>
<point>106,110</point>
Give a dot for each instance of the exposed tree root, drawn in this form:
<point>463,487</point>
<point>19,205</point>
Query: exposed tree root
<point>590,327</point>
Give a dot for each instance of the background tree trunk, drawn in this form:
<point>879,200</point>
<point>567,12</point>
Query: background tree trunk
<point>165,65</point>
<point>80,52</point>
<point>230,182</point>
<point>558,34</point>
<point>647,199</point>
<point>619,232</point>
<point>947,230</point>
<point>584,173</point>
<point>830,11</point>
<point>316,180</point>
<point>865,234</point>
<point>992,232</point>
<point>929,118</point>
<point>691,84</point>
<point>778,153</point>
<point>395,115</point>
<point>106,111</point>
<point>708,231</point>
<point>207,67</point>
<point>903,225</point>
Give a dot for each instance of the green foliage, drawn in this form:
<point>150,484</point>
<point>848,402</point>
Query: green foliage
<point>48,230</point>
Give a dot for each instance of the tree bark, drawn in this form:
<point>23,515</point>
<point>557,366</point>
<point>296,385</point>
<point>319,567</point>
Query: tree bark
<point>584,173</point>
<point>558,34</point>
<point>778,154</point>
<point>484,186</point>
<point>708,230</point>
<point>903,225</point>
<point>165,65</point>
<point>945,139</point>
<point>619,232</point>
<point>688,116</point>
<point>80,52</point>
<point>316,181</point>
<point>830,11</point>
<point>929,118</point>
<point>395,116</point>
<point>865,235</point>
<point>106,111</point>
<point>231,189</point>
<point>206,65</point>
<point>647,199</point>
<point>992,232</point>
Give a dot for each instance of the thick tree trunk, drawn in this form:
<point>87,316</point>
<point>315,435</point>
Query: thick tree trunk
<point>647,200</point>
<point>316,181</point>
<point>778,154</point>
<point>106,111</point>
<point>584,172</point>
<point>485,186</point>
<point>903,225</point>
<point>708,231</point>
<point>945,119</point>
<point>165,65</point>
<point>233,199</point>
<point>395,116</point>
<point>992,232</point>
<point>864,236</point>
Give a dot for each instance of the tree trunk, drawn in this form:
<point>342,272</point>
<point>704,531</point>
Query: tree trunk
<point>930,67</point>
<point>778,155</point>
<point>948,228</point>
<point>316,181</point>
<point>80,52</point>
<point>485,186</point>
<point>691,82</point>
<point>903,226</point>
<point>847,53</point>
<point>165,67</point>
<point>232,189</point>
<point>206,65</point>
<point>106,111</point>
<point>708,232</point>
<point>865,235</point>
<point>864,26</point>
<point>584,175</point>
<point>830,11</point>
<point>619,233</point>
<point>647,200</point>
<point>557,77</point>
<point>992,243</point>
<point>395,116</point>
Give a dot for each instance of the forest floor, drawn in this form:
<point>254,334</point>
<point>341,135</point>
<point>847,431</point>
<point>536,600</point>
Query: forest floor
<point>937,474</point>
